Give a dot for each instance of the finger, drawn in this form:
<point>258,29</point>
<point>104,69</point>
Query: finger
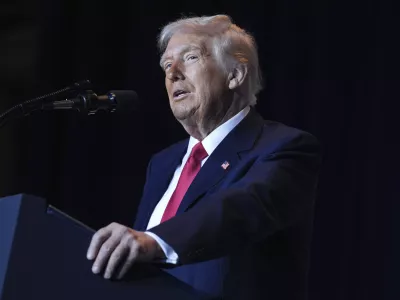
<point>104,254</point>
<point>116,258</point>
<point>97,241</point>
<point>130,260</point>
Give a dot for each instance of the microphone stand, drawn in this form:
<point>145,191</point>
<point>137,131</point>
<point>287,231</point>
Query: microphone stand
<point>27,107</point>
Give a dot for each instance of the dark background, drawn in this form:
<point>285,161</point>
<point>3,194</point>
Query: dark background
<point>330,68</point>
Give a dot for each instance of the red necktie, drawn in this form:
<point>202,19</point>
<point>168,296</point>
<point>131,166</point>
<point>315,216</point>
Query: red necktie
<point>189,172</point>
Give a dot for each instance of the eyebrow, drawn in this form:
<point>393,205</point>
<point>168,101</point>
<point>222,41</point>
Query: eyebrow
<point>183,50</point>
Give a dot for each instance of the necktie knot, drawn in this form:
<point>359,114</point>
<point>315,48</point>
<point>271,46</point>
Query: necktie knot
<point>198,152</point>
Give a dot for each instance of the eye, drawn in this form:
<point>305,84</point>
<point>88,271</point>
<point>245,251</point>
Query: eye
<point>191,57</point>
<point>167,66</point>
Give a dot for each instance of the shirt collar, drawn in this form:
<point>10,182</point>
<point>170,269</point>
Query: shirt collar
<point>218,134</point>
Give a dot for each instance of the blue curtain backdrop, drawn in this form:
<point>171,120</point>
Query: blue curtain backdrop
<point>330,68</point>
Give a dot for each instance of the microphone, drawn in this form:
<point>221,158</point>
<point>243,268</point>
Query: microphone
<point>90,103</point>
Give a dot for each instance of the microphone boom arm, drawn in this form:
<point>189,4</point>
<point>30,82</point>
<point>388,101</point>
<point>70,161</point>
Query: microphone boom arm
<point>27,107</point>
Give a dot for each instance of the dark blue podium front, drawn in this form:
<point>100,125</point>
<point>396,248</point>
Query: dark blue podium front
<point>43,256</point>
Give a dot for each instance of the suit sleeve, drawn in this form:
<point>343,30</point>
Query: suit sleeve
<point>171,257</point>
<point>170,254</point>
<point>275,191</point>
<point>137,225</point>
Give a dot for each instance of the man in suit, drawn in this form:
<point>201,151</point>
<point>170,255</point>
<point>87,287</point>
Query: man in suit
<point>229,210</point>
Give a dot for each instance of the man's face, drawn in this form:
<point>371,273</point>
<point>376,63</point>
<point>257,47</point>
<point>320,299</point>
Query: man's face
<point>195,83</point>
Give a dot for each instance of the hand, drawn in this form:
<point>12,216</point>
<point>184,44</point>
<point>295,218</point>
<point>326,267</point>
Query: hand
<point>119,247</point>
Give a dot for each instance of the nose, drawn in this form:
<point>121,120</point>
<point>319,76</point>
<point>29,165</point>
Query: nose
<point>175,73</point>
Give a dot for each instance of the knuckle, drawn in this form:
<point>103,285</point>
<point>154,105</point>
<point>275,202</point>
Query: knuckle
<point>115,226</point>
<point>107,247</point>
<point>129,238</point>
<point>110,244</point>
<point>101,232</point>
<point>123,231</point>
<point>128,234</point>
<point>97,236</point>
<point>116,257</point>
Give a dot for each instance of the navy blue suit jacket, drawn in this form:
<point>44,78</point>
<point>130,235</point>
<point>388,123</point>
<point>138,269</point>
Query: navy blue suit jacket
<point>243,232</point>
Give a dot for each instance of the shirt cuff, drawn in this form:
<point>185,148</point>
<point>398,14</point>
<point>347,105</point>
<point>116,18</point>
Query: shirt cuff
<point>170,254</point>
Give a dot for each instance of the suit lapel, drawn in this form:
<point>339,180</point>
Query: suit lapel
<point>161,175</point>
<point>240,139</point>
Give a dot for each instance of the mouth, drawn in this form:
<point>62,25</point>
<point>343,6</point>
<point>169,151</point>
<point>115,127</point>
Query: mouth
<point>179,94</point>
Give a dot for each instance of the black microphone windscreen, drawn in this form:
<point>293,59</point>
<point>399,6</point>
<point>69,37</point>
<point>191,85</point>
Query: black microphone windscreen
<point>127,101</point>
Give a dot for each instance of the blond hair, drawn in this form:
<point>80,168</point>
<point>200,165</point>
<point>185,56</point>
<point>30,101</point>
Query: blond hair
<point>231,45</point>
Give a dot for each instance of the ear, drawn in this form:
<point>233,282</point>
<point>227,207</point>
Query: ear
<point>237,76</point>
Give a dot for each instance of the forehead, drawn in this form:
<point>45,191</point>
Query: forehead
<point>184,42</point>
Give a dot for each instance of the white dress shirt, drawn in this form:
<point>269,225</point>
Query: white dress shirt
<point>210,143</point>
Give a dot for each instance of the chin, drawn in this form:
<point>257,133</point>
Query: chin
<point>182,111</point>
<point>180,114</point>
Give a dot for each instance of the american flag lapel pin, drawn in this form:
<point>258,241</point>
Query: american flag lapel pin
<point>225,165</point>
